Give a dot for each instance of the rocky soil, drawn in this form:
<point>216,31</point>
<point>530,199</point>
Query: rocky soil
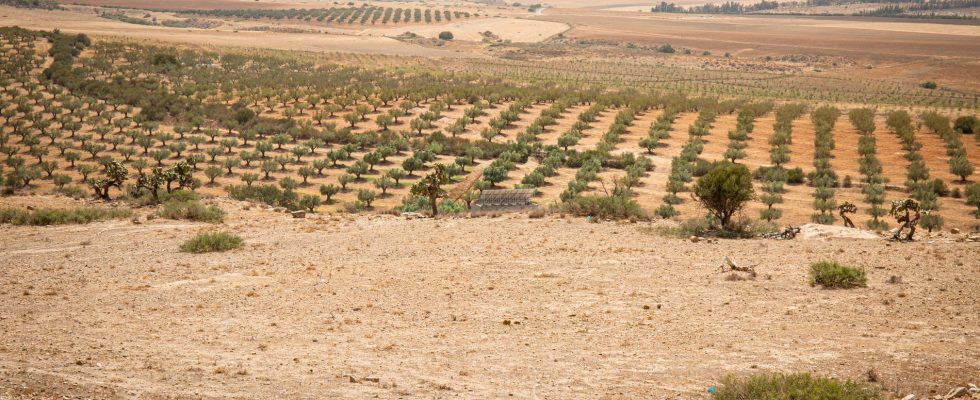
<point>339,306</point>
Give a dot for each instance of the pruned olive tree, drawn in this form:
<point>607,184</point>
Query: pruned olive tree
<point>430,186</point>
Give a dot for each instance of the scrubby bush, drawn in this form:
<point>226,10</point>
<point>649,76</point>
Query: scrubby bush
<point>777,386</point>
<point>665,211</point>
<point>967,124</point>
<point>604,207</point>
<point>208,242</point>
<point>450,206</point>
<point>446,35</point>
<point>268,194</point>
<point>192,211</point>
<point>832,275</point>
<point>794,176</point>
<point>53,216</point>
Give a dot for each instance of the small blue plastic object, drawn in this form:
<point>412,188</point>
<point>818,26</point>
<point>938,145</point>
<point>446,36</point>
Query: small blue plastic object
<point>712,390</point>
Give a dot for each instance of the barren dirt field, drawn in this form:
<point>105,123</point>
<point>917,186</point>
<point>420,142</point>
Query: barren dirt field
<point>93,25</point>
<point>513,29</point>
<point>381,306</point>
<point>943,52</point>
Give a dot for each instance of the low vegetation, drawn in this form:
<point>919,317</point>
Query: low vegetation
<point>604,207</point>
<point>56,216</point>
<point>778,386</point>
<point>341,15</point>
<point>832,275</point>
<point>44,4</point>
<point>176,121</point>
<point>191,210</point>
<point>208,242</point>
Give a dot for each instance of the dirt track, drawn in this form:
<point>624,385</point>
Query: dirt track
<point>471,308</point>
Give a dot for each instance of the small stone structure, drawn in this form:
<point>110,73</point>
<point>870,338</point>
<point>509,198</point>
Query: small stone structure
<point>504,200</point>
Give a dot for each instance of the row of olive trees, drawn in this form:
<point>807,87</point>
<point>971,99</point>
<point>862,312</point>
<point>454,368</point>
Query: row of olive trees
<point>873,183</point>
<point>959,165</point>
<point>776,177</point>
<point>918,184</point>
<point>683,168</point>
<point>823,178</point>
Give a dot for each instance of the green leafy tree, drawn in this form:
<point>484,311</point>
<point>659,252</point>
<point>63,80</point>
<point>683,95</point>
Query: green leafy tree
<point>268,167</point>
<point>309,202</point>
<point>397,174</point>
<point>725,190</point>
<point>358,168</point>
<point>230,163</point>
<point>961,167</point>
<point>495,174</point>
<point>344,180</point>
<point>384,183</point>
<point>329,191</point>
<point>115,175</point>
<point>306,173</point>
<point>299,152</point>
<point>412,164</point>
<point>249,177</point>
<point>212,172</point>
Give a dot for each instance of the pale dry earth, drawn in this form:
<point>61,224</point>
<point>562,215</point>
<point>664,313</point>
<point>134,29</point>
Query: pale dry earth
<point>359,306</point>
<point>95,26</point>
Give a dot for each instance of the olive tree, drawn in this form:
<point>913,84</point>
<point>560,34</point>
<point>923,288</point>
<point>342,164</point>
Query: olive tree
<point>725,190</point>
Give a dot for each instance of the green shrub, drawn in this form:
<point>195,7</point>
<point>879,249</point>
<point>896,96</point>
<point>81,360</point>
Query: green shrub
<point>268,194</point>
<point>207,242</point>
<point>777,386</point>
<point>794,176</point>
<point>701,167</point>
<point>966,124</point>
<point>52,216</point>
<point>446,35</point>
<point>832,275</point>
<point>450,206</point>
<point>666,211</point>
<point>191,210</point>
<point>415,204</point>
<point>144,198</point>
<point>72,191</point>
<point>687,228</point>
<point>604,207</point>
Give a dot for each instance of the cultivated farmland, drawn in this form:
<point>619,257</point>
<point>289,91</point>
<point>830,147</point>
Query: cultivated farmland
<point>310,199</point>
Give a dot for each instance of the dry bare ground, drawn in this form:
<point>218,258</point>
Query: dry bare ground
<point>380,306</point>
<point>513,29</point>
<point>903,51</point>
<point>93,25</point>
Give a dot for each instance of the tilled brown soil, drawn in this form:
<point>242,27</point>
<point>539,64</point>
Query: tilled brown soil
<point>381,306</point>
